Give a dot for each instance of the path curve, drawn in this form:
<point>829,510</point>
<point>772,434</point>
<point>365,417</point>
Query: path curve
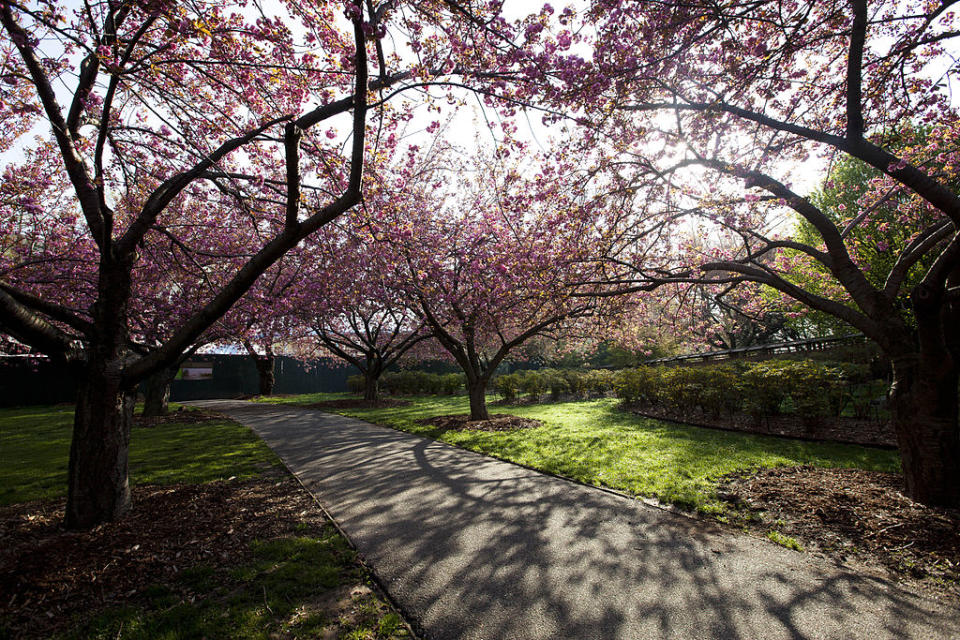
<point>474,548</point>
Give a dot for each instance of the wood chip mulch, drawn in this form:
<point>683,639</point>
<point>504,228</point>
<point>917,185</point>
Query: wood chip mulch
<point>860,517</point>
<point>358,403</point>
<point>496,422</point>
<point>48,574</point>
<point>183,416</point>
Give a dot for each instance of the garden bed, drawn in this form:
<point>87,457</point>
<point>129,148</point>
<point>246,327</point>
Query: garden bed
<point>871,433</point>
<point>496,422</point>
<point>180,416</point>
<point>213,552</point>
<point>358,403</point>
<point>853,516</point>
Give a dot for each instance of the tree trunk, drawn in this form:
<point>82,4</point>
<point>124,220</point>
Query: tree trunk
<point>97,486</point>
<point>98,489</point>
<point>264,364</point>
<point>478,399</point>
<point>371,388</point>
<point>156,393</point>
<point>267,377</point>
<point>923,402</point>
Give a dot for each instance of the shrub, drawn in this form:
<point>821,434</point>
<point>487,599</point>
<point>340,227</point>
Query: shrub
<point>722,391</point>
<point>637,385</point>
<point>450,383</point>
<point>576,382</point>
<point>817,391</point>
<point>813,389</point>
<point>765,387</point>
<point>356,384</point>
<point>422,383</point>
<point>555,381</point>
<point>599,382</point>
<point>507,385</point>
<point>533,384</point>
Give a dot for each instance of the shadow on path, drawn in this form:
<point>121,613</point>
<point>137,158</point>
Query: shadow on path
<point>472,547</point>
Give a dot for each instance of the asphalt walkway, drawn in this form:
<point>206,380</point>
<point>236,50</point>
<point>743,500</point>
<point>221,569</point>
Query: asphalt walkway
<point>475,548</point>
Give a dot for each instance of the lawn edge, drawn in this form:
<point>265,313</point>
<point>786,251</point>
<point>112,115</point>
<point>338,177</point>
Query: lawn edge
<point>409,621</point>
<point>649,501</point>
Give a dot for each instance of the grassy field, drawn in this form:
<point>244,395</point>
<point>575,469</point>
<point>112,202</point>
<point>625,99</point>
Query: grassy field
<point>595,443</point>
<point>35,447</point>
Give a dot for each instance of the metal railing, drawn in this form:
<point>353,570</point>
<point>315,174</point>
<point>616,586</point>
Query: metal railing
<point>794,346</point>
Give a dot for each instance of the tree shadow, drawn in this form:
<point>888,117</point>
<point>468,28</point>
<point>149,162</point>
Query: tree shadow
<point>471,547</point>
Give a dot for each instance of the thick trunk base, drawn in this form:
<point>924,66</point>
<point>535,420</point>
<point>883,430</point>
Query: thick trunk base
<point>371,390</point>
<point>267,380</point>
<point>156,394</point>
<point>478,400</point>
<point>924,413</point>
<point>98,489</point>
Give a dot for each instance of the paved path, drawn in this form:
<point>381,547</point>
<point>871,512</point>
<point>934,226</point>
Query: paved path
<point>471,547</point>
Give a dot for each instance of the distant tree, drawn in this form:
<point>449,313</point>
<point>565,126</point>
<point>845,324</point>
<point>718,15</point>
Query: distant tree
<point>346,302</point>
<point>493,257</point>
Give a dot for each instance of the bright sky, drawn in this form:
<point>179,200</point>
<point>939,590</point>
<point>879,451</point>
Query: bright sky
<point>470,125</point>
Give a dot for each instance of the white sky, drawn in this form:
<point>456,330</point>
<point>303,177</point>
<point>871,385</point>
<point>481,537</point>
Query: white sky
<point>470,124</point>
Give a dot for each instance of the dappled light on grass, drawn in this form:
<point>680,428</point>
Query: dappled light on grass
<point>35,447</point>
<point>596,443</point>
<point>247,557</point>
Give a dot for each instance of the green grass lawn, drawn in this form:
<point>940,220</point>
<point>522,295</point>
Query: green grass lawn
<point>35,447</point>
<point>595,443</point>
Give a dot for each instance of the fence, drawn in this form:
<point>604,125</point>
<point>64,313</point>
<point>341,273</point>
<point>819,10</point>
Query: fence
<point>38,380</point>
<point>776,348</point>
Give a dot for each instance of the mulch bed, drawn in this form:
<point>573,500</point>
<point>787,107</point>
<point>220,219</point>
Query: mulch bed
<point>496,422</point>
<point>48,574</point>
<point>855,516</point>
<point>871,433</point>
<point>358,403</point>
<point>181,416</point>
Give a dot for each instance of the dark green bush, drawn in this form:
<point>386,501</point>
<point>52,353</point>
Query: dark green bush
<point>508,386</point>
<point>813,390</point>
<point>533,384</point>
<point>555,382</point>
<point>576,382</point>
<point>637,385</point>
<point>599,382</point>
<point>421,383</point>
<point>450,383</point>
<point>765,387</point>
<point>356,384</point>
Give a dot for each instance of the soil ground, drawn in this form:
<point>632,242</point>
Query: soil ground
<point>854,517</point>
<point>180,416</point>
<point>50,577</point>
<point>496,422</point>
<point>862,431</point>
<point>358,403</point>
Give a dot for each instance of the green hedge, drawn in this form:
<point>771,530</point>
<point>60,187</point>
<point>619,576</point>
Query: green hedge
<point>558,383</point>
<point>806,388</point>
<point>406,383</point>
<point>356,384</point>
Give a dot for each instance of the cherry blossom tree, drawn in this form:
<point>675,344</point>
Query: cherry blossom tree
<point>715,104</point>
<point>491,254</point>
<point>230,133</point>
<point>347,304</point>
